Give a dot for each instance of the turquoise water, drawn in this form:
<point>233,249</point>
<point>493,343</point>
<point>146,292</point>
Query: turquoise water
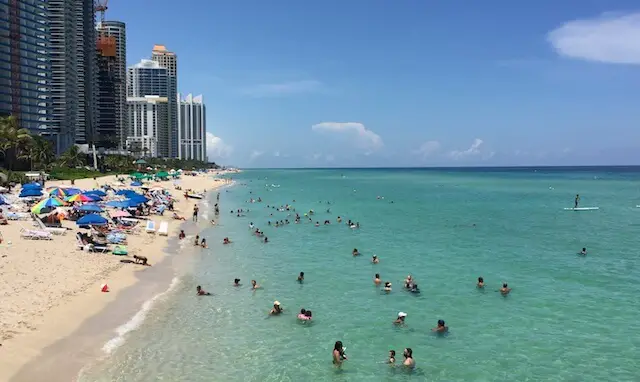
<point>568,318</point>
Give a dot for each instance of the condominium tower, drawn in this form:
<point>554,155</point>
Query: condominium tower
<point>192,128</point>
<point>147,120</point>
<point>25,71</point>
<point>169,60</point>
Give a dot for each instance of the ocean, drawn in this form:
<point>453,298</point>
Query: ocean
<point>567,318</point>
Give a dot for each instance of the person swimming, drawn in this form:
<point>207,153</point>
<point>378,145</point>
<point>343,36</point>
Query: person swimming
<point>277,309</point>
<point>339,354</point>
<point>505,289</point>
<point>301,277</point>
<point>441,328</point>
<point>387,286</point>
<point>583,252</point>
<point>376,279</point>
<point>201,292</point>
<point>203,243</point>
<point>400,319</point>
<point>375,259</point>
<point>414,289</point>
<point>305,315</point>
<point>408,358</point>
<point>226,241</point>
<point>392,357</point>
<point>355,252</point>
<point>236,282</point>
<point>254,285</point>
<point>480,283</point>
<point>408,282</point>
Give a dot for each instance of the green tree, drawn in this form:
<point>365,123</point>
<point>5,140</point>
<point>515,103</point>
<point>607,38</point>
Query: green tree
<point>13,140</point>
<point>73,157</point>
<point>40,152</point>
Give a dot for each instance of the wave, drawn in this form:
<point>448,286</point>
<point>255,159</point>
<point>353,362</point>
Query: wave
<point>136,321</point>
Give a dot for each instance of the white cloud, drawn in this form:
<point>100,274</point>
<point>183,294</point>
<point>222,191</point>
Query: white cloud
<point>364,137</point>
<point>285,88</point>
<point>427,148</point>
<point>473,150</point>
<point>255,154</point>
<point>216,148</point>
<point>611,38</point>
<point>276,153</point>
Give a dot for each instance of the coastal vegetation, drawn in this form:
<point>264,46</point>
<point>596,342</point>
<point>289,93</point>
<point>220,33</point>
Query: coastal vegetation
<point>21,151</point>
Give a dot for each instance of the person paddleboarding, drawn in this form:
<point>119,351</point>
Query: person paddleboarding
<point>577,201</point>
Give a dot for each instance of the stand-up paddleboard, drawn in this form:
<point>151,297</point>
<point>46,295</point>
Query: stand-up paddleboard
<point>638,206</point>
<point>582,209</point>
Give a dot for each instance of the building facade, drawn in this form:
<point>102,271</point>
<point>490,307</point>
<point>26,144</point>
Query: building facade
<point>87,73</point>
<point>25,70</point>
<point>107,133</point>
<point>169,60</point>
<point>148,124</point>
<point>116,65</point>
<point>192,128</point>
<point>148,78</point>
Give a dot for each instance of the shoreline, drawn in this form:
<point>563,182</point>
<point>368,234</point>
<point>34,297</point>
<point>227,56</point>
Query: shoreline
<point>71,335</point>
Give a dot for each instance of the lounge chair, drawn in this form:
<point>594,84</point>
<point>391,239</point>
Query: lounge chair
<point>151,227</point>
<point>53,230</point>
<point>91,247</point>
<point>32,234</point>
<point>164,229</point>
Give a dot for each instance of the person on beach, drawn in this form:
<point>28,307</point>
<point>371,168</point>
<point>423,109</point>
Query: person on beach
<point>375,259</point>
<point>408,358</point>
<point>201,292</point>
<point>301,277</point>
<point>203,243</point>
<point>236,282</point>
<point>505,290</point>
<point>178,217</point>
<point>376,279</point>
<point>577,201</point>
<point>338,354</point>
<point>480,284</point>
<point>583,252</point>
<point>181,235</point>
<point>196,209</point>
<point>277,309</point>
<point>392,357</point>
<point>254,285</point>
<point>355,252</point>
<point>441,328</point>
<point>387,286</point>
<point>400,319</point>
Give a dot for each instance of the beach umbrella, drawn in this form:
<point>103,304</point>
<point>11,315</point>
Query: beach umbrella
<point>71,190</point>
<point>95,197</point>
<point>29,193</point>
<point>57,191</point>
<point>162,174</point>
<point>100,193</point>
<point>137,175</point>
<point>118,204</point>
<point>119,214</point>
<point>140,161</point>
<point>92,219</point>
<point>125,192</point>
<point>138,198</point>
<point>136,184</point>
<point>31,186</point>
<point>79,198</point>
<point>90,207</point>
<point>51,202</point>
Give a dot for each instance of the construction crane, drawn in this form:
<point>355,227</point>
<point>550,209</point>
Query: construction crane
<point>101,7</point>
<point>106,44</point>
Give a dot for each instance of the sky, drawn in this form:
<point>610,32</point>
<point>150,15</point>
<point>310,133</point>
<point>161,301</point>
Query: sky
<point>403,83</point>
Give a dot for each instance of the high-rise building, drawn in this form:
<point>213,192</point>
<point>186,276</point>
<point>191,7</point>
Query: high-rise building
<point>64,70</point>
<point>115,64</point>
<point>192,128</point>
<point>25,70</point>
<point>107,133</point>
<point>147,121</point>
<point>144,79</point>
<point>87,70</point>
<point>169,60</point>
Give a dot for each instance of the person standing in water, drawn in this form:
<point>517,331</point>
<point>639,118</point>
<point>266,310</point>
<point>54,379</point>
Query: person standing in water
<point>338,354</point>
<point>408,358</point>
<point>577,201</point>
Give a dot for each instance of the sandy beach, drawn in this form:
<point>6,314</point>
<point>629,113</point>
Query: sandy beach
<point>49,288</point>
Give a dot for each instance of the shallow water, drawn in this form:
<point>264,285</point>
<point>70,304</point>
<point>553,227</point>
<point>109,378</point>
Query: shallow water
<point>568,317</point>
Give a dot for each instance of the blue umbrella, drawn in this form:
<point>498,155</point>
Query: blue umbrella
<point>72,191</point>
<point>136,184</point>
<point>30,186</point>
<point>122,203</point>
<point>139,199</point>
<point>90,208</point>
<point>30,192</point>
<point>96,192</point>
<point>91,219</point>
<point>95,197</point>
<point>3,201</point>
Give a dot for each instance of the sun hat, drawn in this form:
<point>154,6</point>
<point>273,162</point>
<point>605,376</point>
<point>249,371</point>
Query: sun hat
<point>402,314</point>
<point>276,303</point>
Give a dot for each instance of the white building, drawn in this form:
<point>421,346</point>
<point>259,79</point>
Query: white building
<point>148,124</point>
<point>192,128</point>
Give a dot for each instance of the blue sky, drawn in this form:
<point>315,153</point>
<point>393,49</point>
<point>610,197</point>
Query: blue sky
<point>404,83</point>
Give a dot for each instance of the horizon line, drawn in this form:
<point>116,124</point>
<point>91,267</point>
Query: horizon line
<point>445,167</point>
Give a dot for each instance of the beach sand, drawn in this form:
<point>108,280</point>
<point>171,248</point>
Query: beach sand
<point>49,288</point>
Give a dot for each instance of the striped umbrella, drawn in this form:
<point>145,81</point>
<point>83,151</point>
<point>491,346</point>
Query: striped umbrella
<point>57,192</point>
<point>47,203</point>
<point>79,198</point>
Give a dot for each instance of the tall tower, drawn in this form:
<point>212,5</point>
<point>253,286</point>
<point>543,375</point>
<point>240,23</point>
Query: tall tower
<point>26,73</point>
<point>147,79</point>
<point>112,43</point>
<point>87,70</point>
<point>169,60</point>
<point>192,128</point>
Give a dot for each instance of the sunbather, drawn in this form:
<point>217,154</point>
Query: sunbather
<point>177,217</point>
<point>3,220</point>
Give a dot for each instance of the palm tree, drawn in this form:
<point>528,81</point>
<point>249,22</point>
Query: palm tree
<point>72,157</point>
<point>40,152</point>
<point>13,139</point>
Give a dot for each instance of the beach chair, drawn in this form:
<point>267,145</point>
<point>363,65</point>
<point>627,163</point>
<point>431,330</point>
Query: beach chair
<point>32,234</point>
<point>151,227</point>
<point>90,247</point>
<point>164,229</point>
<point>54,230</point>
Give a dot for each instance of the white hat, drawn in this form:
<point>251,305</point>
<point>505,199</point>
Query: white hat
<point>276,303</point>
<point>402,314</point>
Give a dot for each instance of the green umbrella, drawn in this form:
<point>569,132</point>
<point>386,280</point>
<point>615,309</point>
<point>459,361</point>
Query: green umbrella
<point>162,174</point>
<point>137,175</point>
<point>140,161</point>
